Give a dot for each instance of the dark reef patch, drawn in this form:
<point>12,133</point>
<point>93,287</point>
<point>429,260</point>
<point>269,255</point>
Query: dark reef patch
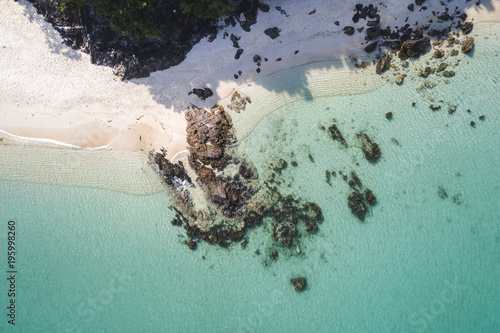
<point>370,149</point>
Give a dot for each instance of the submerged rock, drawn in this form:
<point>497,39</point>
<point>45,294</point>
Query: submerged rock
<point>336,134</point>
<point>357,204</point>
<point>370,149</point>
<point>299,283</point>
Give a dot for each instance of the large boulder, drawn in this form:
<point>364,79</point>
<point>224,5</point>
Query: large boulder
<point>414,48</point>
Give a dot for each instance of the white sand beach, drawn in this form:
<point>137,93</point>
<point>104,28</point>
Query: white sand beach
<point>51,94</point>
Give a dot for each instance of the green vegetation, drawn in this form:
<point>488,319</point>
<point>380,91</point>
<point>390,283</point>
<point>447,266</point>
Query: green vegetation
<point>129,16</point>
<point>135,16</point>
<point>207,8</point>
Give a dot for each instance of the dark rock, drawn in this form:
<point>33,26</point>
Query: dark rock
<point>373,32</point>
<point>467,44</point>
<point>370,149</point>
<point>439,53</point>
<point>264,7</point>
<point>452,109</point>
<point>296,51</point>
<point>273,32</point>
<point>360,29</point>
<point>192,244</point>
<point>434,33</point>
<point>383,64</point>
<point>168,170</point>
<point>258,70</point>
<point>418,33</point>
<point>371,47</point>
<point>445,17</point>
<point>414,48</point>
<point>482,117</point>
<point>238,54</point>
<point>235,40</point>
<point>411,7</point>
<point>299,284</point>
<point>435,107</point>
<point>394,35</point>
<point>349,30</point>
<point>202,93</point>
<point>359,7</point>
<point>419,2</point>
<point>472,123</point>
<point>355,18</point>
<point>389,115</point>
<point>256,58</point>
<point>337,23</point>
<point>312,12</point>
<point>467,27</point>
<point>448,73</point>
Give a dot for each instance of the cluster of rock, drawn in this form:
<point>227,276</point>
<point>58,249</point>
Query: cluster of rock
<point>360,199</point>
<point>236,200</point>
<point>132,57</point>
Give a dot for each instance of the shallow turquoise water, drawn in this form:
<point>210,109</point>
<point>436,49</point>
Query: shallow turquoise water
<point>92,260</point>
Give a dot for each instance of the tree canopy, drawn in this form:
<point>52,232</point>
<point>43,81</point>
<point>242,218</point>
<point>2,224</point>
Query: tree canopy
<point>136,17</point>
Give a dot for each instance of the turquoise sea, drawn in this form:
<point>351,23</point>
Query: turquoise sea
<point>94,260</point>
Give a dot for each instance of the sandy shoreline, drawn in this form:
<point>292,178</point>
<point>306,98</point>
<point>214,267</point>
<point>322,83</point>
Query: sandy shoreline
<point>49,91</point>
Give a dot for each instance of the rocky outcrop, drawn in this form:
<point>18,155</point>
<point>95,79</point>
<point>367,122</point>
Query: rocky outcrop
<point>414,48</point>
<point>208,134</point>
